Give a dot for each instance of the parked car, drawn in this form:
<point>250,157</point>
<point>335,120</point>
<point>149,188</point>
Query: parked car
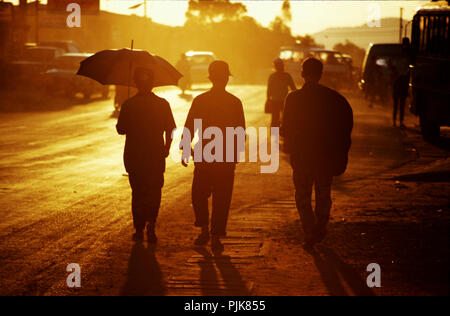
<point>375,76</point>
<point>336,72</point>
<point>67,46</point>
<point>63,78</point>
<point>199,62</point>
<point>122,93</point>
<point>35,61</point>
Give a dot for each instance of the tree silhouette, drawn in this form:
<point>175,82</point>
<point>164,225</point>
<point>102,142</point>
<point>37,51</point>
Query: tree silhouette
<point>223,27</point>
<point>281,23</point>
<point>307,41</point>
<point>279,26</point>
<point>209,11</point>
<point>286,11</point>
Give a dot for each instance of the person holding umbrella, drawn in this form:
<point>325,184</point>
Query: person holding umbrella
<point>145,119</point>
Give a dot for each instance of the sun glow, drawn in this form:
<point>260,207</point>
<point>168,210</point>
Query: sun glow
<point>307,16</point>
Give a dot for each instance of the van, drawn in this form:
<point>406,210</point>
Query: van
<point>199,62</point>
<point>375,73</point>
<point>336,72</point>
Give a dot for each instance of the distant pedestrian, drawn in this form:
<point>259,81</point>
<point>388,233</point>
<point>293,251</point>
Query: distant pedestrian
<point>400,93</point>
<point>147,122</point>
<point>184,67</point>
<point>400,84</point>
<point>317,126</point>
<point>220,109</point>
<point>277,89</point>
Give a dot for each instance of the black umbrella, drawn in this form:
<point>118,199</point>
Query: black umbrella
<point>116,67</point>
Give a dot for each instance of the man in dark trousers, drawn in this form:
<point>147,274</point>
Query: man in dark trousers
<point>145,119</point>
<point>400,82</point>
<point>317,127</point>
<point>399,95</point>
<point>215,108</point>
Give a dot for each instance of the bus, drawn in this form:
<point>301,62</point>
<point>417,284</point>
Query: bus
<point>430,69</point>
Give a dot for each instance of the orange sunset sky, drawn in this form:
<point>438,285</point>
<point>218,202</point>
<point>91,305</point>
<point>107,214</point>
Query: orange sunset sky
<point>307,16</point>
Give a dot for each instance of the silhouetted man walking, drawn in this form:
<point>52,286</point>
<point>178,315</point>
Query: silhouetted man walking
<point>145,119</point>
<point>317,126</point>
<point>277,89</point>
<point>215,108</point>
<point>400,83</point>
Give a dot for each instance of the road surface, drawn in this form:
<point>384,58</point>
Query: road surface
<point>65,198</point>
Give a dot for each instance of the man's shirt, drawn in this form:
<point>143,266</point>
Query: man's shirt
<point>217,108</point>
<point>317,126</point>
<point>278,86</point>
<point>144,119</point>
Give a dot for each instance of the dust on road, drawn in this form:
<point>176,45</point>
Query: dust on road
<point>65,199</point>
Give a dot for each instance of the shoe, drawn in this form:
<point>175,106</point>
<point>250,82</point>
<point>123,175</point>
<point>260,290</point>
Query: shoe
<point>138,235</point>
<point>202,239</point>
<point>151,235</point>
<point>402,126</point>
<point>216,245</point>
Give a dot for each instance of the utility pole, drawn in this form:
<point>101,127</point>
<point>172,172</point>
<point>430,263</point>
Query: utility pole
<point>22,24</point>
<point>23,9</point>
<point>37,21</point>
<point>406,29</point>
<point>145,18</point>
<point>401,26</point>
<point>145,8</point>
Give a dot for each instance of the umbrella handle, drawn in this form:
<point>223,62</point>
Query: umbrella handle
<point>129,72</point>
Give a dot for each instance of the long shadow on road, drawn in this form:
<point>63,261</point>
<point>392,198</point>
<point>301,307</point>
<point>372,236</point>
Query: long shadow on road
<point>232,283</point>
<point>333,271</point>
<point>413,255</point>
<point>144,273</point>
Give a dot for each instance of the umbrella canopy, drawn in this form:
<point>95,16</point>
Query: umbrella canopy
<point>116,67</point>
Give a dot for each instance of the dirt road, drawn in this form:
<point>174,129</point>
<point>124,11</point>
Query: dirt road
<point>65,198</point>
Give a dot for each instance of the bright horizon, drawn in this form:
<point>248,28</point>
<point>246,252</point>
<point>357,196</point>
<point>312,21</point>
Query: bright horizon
<point>304,13</point>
